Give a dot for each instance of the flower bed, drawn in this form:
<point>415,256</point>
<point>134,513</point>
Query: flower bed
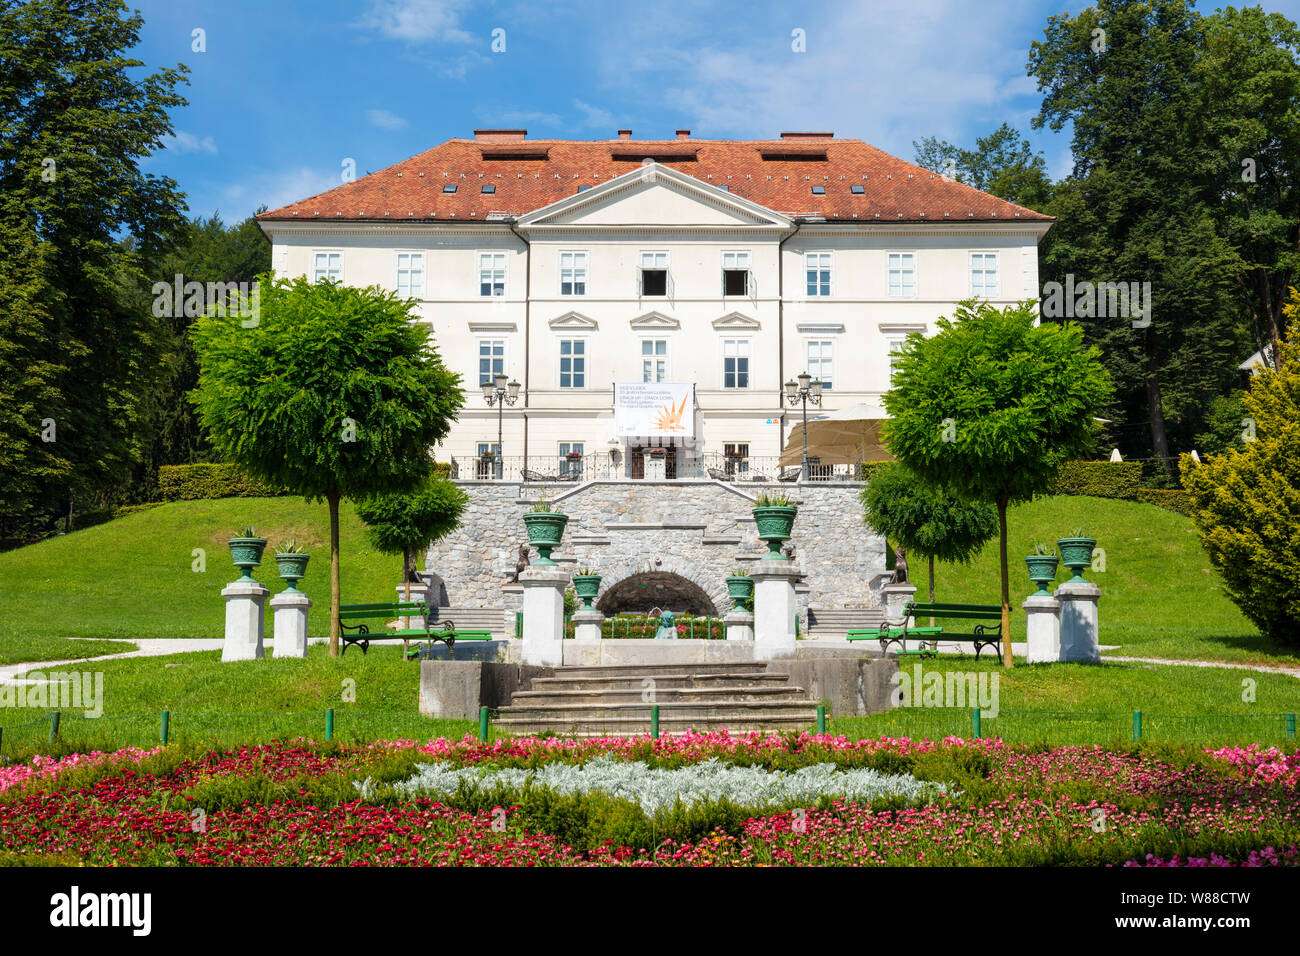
<point>701,799</point>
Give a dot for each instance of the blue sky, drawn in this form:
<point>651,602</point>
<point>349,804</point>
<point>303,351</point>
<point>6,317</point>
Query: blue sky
<point>287,91</point>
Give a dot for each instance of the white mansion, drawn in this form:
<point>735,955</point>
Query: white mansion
<point>658,293</point>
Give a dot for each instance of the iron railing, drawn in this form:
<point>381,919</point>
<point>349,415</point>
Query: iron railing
<point>563,469</point>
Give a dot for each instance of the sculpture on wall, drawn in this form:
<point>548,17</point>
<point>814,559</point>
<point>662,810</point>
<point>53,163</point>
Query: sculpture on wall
<point>520,564</point>
<point>900,566</point>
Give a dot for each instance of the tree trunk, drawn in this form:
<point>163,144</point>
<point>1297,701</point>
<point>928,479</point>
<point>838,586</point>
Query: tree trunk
<point>406,573</point>
<point>333,499</point>
<point>1006,583</point>
<point>1156,412</point>
<point>934,644</point>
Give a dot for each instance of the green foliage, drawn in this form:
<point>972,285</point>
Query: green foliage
<point>288,546</point>
<point>335,392</point>
<point>1100,479</point>
<point>1002,164</point>
<point>1174,499</point>
<point>193,482</point>
<point>77,219</point>
<point>246,532</point>
<point>404,523</point>
<point>773,500</point>
<point>544,507</point>
<point>1246,505</point>
<point>925,521</point>
<point>1225,425</point>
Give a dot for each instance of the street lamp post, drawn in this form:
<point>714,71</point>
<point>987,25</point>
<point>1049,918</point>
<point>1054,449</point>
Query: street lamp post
<point>805,390</point>
<point>500,392</point>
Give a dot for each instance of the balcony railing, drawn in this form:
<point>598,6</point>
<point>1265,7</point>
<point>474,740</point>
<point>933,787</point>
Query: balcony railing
<point>562,469</point>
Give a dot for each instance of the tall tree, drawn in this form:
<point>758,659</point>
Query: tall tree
<point>1123,74</point>
<point>1003,164</point>
<point>332,391</point>
<point>76,118</point>
<point>990,406</point>
<point>405,523</point>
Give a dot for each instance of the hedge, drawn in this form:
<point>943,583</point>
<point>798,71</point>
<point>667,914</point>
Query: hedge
<point>1101,479</point>
<point>1175,499</point>
<point>215,480</point>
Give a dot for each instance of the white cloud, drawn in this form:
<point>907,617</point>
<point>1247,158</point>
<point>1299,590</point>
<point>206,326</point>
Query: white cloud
<point>594,115</point>
<point>417,21</point>
<point>183,142</point>
<point>276,189</point>
<point>385,120</point>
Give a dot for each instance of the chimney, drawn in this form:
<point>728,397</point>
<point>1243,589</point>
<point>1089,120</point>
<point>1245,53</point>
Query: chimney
<point>799,137</point>
<point>625,134</point>
<point>683,134</point>
<point>500,135</point>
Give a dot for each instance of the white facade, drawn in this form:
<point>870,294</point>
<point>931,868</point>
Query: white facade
<point>556,299</point>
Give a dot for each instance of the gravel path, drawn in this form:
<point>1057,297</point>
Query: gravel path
<point>1258,668</point>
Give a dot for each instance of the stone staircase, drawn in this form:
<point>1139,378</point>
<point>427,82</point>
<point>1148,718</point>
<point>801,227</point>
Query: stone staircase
<point>474,618</point>
<point>837,622</point>
<point>616,699</point>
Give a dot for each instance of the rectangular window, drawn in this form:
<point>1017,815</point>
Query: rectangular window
<point>820,361</point>
<point>735,363</point>
<point>492,273</point>
<point>573,273</point>
<point>327,265</point>
<point>895,349</point>
<point>735,273</point>
<point>573,363</point>
<point>984,274</point>
<point>817,266</point>
<point>902,273</point>
<point>488,464</point>
<point>654,360</point>
<point>410,275</point>
<point>654,273</point>
<point>571,458</point>
<point>735,456</point>
<point>491,359</point>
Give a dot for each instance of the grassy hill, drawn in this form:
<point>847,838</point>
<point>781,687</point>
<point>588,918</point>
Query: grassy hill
<point>135,577</point>
<point>1160,597</point>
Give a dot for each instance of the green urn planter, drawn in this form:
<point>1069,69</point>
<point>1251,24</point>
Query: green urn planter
<point>545,529</point>
<point>1076,554</point>
<point>293,567</point>
<point>740,588</point>
<point>246,554</point>
<point>586,586</point>
<point>774,525</point>
<point>1042,570</point>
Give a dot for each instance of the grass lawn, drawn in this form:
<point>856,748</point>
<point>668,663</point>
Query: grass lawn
<point>134,577</point>
<point>251,701</point>
<point>1159,595</point>
<point>17,647</point>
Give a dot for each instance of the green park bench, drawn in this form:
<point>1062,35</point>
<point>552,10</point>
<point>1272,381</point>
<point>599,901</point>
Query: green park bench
<point>980,635</point>
<point>428,632</point>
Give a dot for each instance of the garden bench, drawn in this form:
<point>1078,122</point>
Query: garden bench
<point>980,635</point>
<point>530,475</point>
<point>363,635</point>
<point>450,635</point>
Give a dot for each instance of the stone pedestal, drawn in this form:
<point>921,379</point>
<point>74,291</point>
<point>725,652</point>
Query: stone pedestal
<point>740,625</point>
<point>245,606</point>
<point>1043,631</point>
<point>289,610</point>
<point>419,592</point>
<point>774,608</point>
<point>1078,601</point>
<point>897,597</point>
<point>586,625</point>
<point>543,643</point>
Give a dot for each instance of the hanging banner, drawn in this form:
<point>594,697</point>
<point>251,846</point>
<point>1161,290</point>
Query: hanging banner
<point>654,409</point>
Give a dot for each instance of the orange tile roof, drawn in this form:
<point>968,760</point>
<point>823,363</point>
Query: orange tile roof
<point>530,174</point>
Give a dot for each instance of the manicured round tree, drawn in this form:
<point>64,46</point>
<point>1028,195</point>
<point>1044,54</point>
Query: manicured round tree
<point>991,405</point>
<point>331,391</point>
<point>929,522</point>
<point>1246,504</point>
<point>403,523</point>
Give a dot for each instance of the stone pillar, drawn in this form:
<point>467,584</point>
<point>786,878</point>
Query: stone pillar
<point>1079,621</point>
<point>544,615</point>
<point>586,625</point>
<point>897,597</point>
<point>289,610</point>
<point>774,608</point>
<point>740,625</point>
<point>245,605</point>
<point>1043,630</point>
<point>419,592</point>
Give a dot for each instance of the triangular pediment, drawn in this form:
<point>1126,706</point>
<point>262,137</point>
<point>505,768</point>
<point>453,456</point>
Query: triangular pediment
<point>653,195</point>
<point>655,320</point>
<point>572,321</point>
<point>736,320</point>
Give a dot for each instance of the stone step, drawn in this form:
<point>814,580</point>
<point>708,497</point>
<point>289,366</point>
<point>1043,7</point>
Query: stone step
<point>600,671</point>
<point>722,695</point>
<point>474,618</point>
<point>638,710</point>
<point>613,723</point>
<point>661,681</point>
<point>837,622</point>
